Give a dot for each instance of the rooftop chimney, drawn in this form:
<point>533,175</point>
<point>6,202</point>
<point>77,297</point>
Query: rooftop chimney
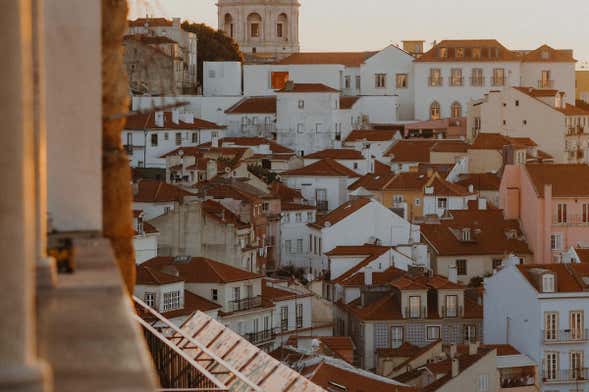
<point>471,188</point>
<point>455,367</point>
<point>175,116</point>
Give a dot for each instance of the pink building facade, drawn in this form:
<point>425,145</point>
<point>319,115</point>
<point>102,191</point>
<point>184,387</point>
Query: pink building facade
<point>552,204</point>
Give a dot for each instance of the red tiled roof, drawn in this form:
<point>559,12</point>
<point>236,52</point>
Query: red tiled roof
<point>153,191</point>
<point>201,270</point>
<point>491,51</point>
<point>502,349</point>
<point>489,234</point>
<point>223,215</point>
<point>480,181</point>
<point>496,141</point>
<point>336,153</point>
<point>372,181</point>
<point>341,213</point>
<point>149,39</point>
<point>418,150</point>
<point>153,277</point>
<point>325,167</point>
<point>285,193</point>
<point>567,180</point>
<point>254,105</point>
<point>372,252</point>
<point>307,88</point>
<point>347,102</point>
<point>370,135</point>
<point>155,22</point>
<point>537,93</point>
<point>570,110</point>
<point>450,146</point>
<point>255,141</point>
<point>149,229</point>
<point>569,277</point>
<point>381,168</point>
<point>349,59</point>
<point>276,294</point>
<point>297,207</point>
<point>141,121</point>
<point>378,278</point>
<point>583,254</point>
<point>442,187</point>
<point>554,55</point>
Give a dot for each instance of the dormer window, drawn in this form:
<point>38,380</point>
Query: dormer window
<point>443,52</point>
<point>476,53</point>
<point>545,55</point>
<point>466,234</point>
<point>459,53</point>
<point>548,283</point>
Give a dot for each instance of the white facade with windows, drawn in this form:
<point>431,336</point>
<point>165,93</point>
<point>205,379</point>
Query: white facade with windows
<point>294,237</point>
<point>221,78</point>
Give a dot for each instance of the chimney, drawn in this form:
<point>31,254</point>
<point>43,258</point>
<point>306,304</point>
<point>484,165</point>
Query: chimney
<point>289,86</point>
<point>473,348</point>
<point>455,367</point>
<point>471,188</point>
<point>159,119</point>
<point>452,274</point>
<point>175,116</point>
<point>368,276</point>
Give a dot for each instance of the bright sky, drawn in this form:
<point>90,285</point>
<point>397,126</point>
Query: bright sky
<point>340,25</point>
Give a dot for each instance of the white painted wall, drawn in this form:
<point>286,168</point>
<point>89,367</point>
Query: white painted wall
<point>291,230</point>
<point>336,188</point>
<point>145,247</point>
<point>221,78</point>
<point>562,74</point>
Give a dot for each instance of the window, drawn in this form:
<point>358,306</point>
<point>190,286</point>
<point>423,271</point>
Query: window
<point>299,314</point>
<point>443,52</point>
<point>348,82</point>
<point>278,80</point>
<point>288,246</point>
<point>195,137</point>
<point>178,138</point>
<point>585,216</point>
<point>279,31</point>
<point>461,267</point>
<point>548,283</point>
<point>545,81</point>
<point>435,77</point>
<point>301,104</point>
<point>358,82</point>
<point>310,216</point>
<point>551,365</point>
<point>516,102</point>
<point>497,263</point>
<point>470,333</point>
<point>402,80</point>
<point>284,318</point>
<point>214,295</point>
<point>417,202</point>
<point>256,325</point>
<point>451,306</point>
<point>476,53</point>
<point>396,337</point>
<point>456,77</point>
<point>149,299</point>
<point>477,77</point>
<point>550,326</point>
<point>576,323</point>
<point>556,241</point>
<point>300,128</point>
<point>466,234</point>
<point>498,77</point>
<point>433,332</point>
<point>456,109</point>
<point>236,293</point>
<point>154,140</point>
<point>380,80</point>
<point>483,383</point>
<point>442,203</point>
<point>255,30</point>
<point>561,213</point>
<point>414,306</point>
<point>434,111</point>
<point>459,53</point>
<point>171,300</point>
<point>299,245</point>
<point>287,218</point>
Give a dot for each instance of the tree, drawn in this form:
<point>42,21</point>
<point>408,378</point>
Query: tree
<point>213,45</point>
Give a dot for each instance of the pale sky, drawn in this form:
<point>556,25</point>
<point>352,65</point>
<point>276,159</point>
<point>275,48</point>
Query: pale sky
<point>349,25</point>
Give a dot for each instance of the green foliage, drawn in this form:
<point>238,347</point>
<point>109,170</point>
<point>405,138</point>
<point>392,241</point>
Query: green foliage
<point>290,270</point>
<point>265,174</point>
<point>213,45</point>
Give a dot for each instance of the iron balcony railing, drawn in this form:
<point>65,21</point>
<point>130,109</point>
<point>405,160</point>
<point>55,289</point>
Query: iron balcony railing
<point>565,375</point>
<point>517,379</point>
<point>245,304</point>
<point>571,220</point>
<point>449,312</point>
<point>565,335</point>
<point>543,83</point>
<point>262,336</point>
<point>322,205</point>
<point>416,313</point>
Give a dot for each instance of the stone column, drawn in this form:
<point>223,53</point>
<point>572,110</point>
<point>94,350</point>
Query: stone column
<point>20,370</point>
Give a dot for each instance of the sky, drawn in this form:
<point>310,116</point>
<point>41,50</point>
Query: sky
<point>349,25</point>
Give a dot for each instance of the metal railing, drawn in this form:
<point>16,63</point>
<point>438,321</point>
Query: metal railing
<point>436,82</point>
<point>245,304</point>
<point>261,336</point>
<point>575,130</point>
<point>450,312</point>
<point>545,83</point>
<point>565,335</point>
<point>571,220</point>
<point>565,375</point>
<point>516,380</point>
<point>322,205</point>
<point>413,313</point>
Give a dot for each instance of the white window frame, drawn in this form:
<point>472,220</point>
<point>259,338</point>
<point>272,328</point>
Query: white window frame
<point>149,298</point>
<point>428,337</point>
<point>171,301</point>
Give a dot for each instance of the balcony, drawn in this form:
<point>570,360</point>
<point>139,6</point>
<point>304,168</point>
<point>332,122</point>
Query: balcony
<point>477,81</point>
<point>322,205</point>
<point>498,81</point>
<point>415,313</point>
<point>456,81</point>
<point>245,304</point>
<point>577,130</point>
<point>565,336</point>
<point>571,220</point>
<point>452,312</point>
<point>522,378</point>
<point>436,82</point>
<point>262,337</point>
<point>545,83</point>
<point>565,376</point>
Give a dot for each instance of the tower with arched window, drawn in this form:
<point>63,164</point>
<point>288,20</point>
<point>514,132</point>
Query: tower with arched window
<point>262,28</point>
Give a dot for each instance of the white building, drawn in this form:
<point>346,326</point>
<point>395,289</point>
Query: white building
<point>221,78</point>
<point>252,117</point>
<point>148,136</point>
<point>293,233</point>
<point>155,198</point>
<point>358,161</point>
<point>456,71</point>
<point>145,241</point>
<point>268,28</point>
<point>540,310</point>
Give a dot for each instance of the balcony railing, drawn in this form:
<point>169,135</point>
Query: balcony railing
<point>245,304</point>
<point>498,81</point>
<point>322,205</point>
<point>545,83</point>
<point>416,313</point>
<point>449,312</point>
<point>576,130</point>
<point>477,81</point>
<point>456,81</point>
<point>262,336</point>
<point>436,82</point>
<point>565,335</point>
<point>517,380</point>
<point>571,220</point>
<point>565,376</point>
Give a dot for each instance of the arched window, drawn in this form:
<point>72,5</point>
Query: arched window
<point>228,26</point>
<point>434,111</point>
<point>254,22</point>
<point>282,27</point>
<point>456,109</point>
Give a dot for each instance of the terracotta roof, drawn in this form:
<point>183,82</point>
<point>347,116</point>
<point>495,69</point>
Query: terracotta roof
<point>569,277</point>
<point>443,169</point>
<point>372,181</point>
<point>336,153</point>
<point>582,104</point>
<point>553,55</point>
<point>378,278</point>
<point>491,51</point>
<point>255,141</point>
<point>371,253</point>
<point>347,102</point>
<point>155,22</point>
<point>349,59</point>
<point>496,141</point>
<point>418,150</point>
<point>502,349</point>
<point>153,191</point>
<point>340,213</point>
<point>381,168</point>
<point>489,234</point>
<point>297,207</point>
<point>307,88</point>
<point>284,192</point>
<point>148,228</point>
<point>141,121</point>
<point>276,294</point>
<point>407,181</point>
<point>370,135</point>
<point>201,270</point>
<point>480,181</point>
<point>325,167</point>
<point>153,277</point>
<point>222,215</point>
<point>570,110</point>
<point>193,151</point>
<point>254,105</point>
<point>442,187</point>
<point>149,39</point>
<point>450,146</point>
<point>567,180</point>
<point>406,350</point>
<point>583,254</point>
<point>386,308</point>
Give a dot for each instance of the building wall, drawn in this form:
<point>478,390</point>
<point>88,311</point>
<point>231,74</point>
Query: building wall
<point>336,188</point>
<point>484,161</point>
<point>582,85</point>
<point>562,75</point>
<point>221,78</point>
<point>145,247</point>
<point>469,379</point>
<point>153,210</point>
<point>476,265</point>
